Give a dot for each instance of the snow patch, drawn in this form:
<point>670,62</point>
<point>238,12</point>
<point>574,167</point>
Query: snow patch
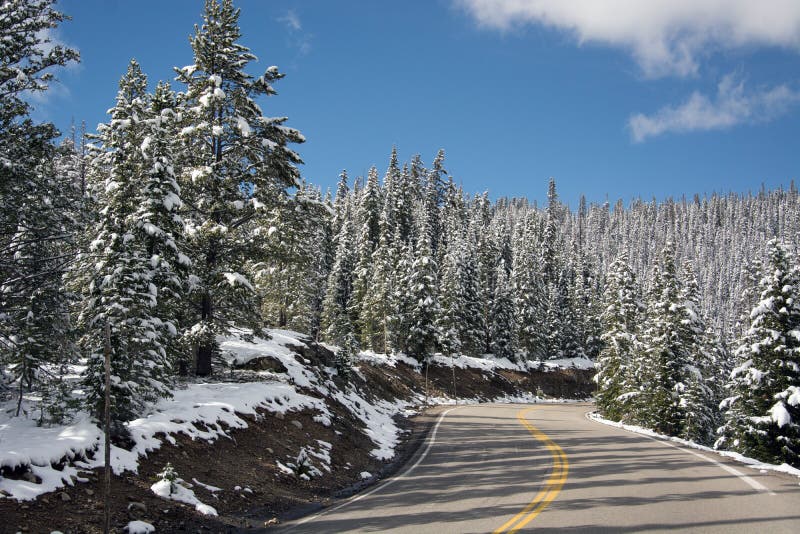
<point>175,491</point>
<point>139,527</point>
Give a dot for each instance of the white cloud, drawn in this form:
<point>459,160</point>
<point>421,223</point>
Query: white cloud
<point>297,37</point>
<point>664,36</point>
<point>732,105</point>
<point>292,21</point>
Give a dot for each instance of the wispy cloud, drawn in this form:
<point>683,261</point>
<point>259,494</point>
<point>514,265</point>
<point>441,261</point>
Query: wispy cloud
<point>732,105</point>
<point>666,37</point>
<point>299,39</point>
<point>292,21</point>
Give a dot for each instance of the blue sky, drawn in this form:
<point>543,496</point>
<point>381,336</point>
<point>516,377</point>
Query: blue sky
<point>612,98</point>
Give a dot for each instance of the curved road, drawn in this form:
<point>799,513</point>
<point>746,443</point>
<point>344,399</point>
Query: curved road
<point>503,468</point>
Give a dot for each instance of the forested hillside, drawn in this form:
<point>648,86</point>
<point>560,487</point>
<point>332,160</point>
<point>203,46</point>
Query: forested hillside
<point>185,217</point>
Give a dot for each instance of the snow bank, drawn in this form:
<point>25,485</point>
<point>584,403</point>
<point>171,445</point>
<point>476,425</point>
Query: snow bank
<point>490,363</point>
<point>22,443</point>
<point>749,462</point>
<point>561,363</point>
<point>201,411</point>
<point>387,360</point>
<point>487,363</point>
<point>213,405</point>
<point>237,351</point>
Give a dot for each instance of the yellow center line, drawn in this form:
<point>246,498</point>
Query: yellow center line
<point>551,488</point>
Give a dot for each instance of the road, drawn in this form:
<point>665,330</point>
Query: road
<point>546,467</point>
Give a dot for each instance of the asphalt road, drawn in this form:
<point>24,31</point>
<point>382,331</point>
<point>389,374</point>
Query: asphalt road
<point>502,468</point>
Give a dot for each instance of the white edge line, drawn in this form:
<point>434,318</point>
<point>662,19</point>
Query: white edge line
<point>431,440</point>
<point>756,485</point>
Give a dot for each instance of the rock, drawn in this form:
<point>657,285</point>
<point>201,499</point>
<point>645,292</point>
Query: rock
<point>279,416</point>
<point>269,450</point>
<point>297,424</point>
<point>273,521</point>
<point>137,507</point>
<point>89,492</point>
<point>64,496</point>
<point>4,493</point>
<point>27,476</point>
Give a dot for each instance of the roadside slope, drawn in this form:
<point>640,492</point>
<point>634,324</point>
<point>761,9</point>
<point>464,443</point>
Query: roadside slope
<point>279,431</point>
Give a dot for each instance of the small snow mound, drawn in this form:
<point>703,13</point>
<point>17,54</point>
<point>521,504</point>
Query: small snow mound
<point>365,475</point>
<point>177,492</point>
<point>139,527</point>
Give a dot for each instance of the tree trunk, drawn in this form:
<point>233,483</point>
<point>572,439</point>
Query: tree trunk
<point>206,348</point>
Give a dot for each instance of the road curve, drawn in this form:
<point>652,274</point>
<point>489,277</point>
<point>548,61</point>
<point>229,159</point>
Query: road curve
<point>507,468</point>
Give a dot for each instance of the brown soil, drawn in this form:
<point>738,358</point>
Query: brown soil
<point>248,459</point>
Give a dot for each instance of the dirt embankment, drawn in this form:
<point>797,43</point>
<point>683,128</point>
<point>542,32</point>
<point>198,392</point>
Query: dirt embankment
<point>253,491</point>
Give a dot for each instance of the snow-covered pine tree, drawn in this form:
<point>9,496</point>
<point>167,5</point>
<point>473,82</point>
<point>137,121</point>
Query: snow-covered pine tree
<point>762,415</point>
<point>423,298</point>
<point>503,327</point>
<point>621,318</point>
<point>336,321</point>
<point>130,268</point>
<point>37,207</point>
<point>369,216</point>
<point>450,319</point>
<point>339,203</point>
<point>697,398</point>
<point>528,289</point>
<point>666,351</point>
<point>292,277</point>
<point>236,165</point>
<point>473,325</point>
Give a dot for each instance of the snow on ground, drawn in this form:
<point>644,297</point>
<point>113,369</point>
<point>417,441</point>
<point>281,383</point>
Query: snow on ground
<point>561,363</point>
<point>487,362</point>
<point>530,398</point>
<point>139,527</point>
<point>206,411</point>
<point>238,351</point>
<point>200,411</point>
<point>387,360</point>
<point>23,443</point>
<point>176,491</point>
<point>209,487</point>
<point>749,462</point>
<point>378,419</point>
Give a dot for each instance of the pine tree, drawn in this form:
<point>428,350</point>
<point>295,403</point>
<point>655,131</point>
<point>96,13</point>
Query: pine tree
<point>529,291</point>
<point>450,319</point>
<point>236,168</point>
<point>503,329</point>
<point>665,348</point>
<point>762,415</point>
<point>620,319</point>
<point>336,321</point>
<point>292,277</point>
<point>698,397</point>
<point>131,266</point>
<point>424,303</point>
<point>368,240</point>
<point>38,204</point>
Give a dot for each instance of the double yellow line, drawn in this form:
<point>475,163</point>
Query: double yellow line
<point>551,488</point>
